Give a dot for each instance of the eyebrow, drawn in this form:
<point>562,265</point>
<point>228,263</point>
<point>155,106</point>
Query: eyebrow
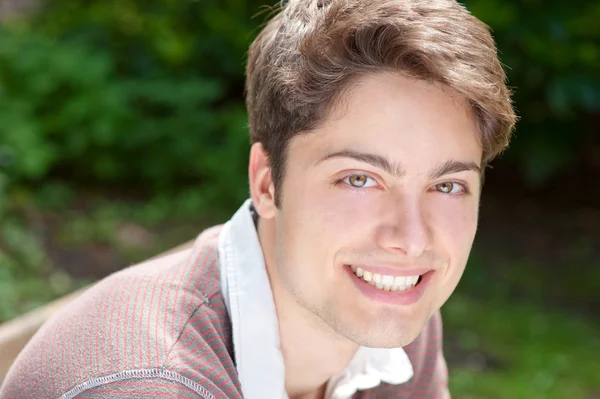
<point>395,169</point>
<point>454,166</point>
<point>376,160</point>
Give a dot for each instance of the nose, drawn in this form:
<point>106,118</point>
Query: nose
<point>405,229</point>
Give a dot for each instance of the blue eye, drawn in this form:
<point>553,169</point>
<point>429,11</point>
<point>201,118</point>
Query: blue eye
<point>450,188</point>
<point>359,181</point>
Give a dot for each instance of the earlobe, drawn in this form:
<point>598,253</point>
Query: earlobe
<point>262,189</point>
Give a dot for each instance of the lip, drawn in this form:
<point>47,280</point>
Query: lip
<point>404,298</point>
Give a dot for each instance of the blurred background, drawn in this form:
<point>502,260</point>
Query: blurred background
<point>123,133</point>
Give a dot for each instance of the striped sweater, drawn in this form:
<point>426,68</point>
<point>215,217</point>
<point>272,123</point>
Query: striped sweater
<point>161,329</point>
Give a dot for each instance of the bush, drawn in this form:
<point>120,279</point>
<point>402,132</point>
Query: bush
<point>139,95</point>
<point>552,53</point>
<point>148,94</point>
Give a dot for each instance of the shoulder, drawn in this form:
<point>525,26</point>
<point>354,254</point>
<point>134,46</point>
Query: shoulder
<point>131,320</point>
<point>427,346</point>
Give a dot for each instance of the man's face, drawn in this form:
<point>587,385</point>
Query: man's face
<point>387,188</point>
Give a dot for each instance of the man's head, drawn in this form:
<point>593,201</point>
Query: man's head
<point>372,122</point>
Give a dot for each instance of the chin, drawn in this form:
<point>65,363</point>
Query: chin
<point>393,339</point>
<point>384,334</point>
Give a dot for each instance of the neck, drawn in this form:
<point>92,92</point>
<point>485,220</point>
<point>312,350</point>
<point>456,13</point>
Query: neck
<point>312,351</point>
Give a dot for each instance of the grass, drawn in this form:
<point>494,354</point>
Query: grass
<point>502,350</point>
<point>513,329</point>
<point>27,279</point>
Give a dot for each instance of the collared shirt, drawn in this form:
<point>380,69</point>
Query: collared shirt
<point>249,301</point>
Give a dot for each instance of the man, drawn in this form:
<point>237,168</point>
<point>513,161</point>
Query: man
<point>372,122</point>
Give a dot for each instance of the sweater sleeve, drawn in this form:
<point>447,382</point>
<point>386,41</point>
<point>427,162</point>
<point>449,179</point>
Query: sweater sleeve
<point>148,388</point>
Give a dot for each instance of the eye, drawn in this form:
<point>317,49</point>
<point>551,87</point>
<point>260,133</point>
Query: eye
<point>359,181</point>
<point>450,188</point>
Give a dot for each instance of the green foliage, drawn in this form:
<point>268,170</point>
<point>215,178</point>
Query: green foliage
<point>69,112</point>
<point>57,103</point>
<point>552,53</point>
<point>147,94</point>
<point>142,98</point>
<point>26,280</point>
<point>142,95</point>
<point>507,350</point>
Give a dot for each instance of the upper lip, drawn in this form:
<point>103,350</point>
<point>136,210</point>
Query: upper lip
<point>393,271</point>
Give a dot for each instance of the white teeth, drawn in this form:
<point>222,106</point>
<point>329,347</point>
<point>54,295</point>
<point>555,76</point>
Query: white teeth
<point>386,282</point>
<point>399,280</point>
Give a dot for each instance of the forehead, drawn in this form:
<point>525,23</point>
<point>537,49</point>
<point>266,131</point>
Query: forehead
<point>400,118</point>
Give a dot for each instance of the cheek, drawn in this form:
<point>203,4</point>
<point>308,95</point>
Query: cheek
<point>455,230</point>
<point>333,213</point>
<point>344,211</point>
<point>455,224</point>
<point>325,220</point>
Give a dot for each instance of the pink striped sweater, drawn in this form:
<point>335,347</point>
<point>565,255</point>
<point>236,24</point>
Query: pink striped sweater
<point>161,329</point>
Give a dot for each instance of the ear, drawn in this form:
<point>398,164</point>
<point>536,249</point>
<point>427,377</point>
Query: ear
<point>262,190</point>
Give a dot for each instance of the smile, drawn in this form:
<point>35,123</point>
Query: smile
<point>396,289</point>
<point>386,282</point>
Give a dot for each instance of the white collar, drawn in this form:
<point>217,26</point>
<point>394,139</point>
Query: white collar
<point>255,329</point>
